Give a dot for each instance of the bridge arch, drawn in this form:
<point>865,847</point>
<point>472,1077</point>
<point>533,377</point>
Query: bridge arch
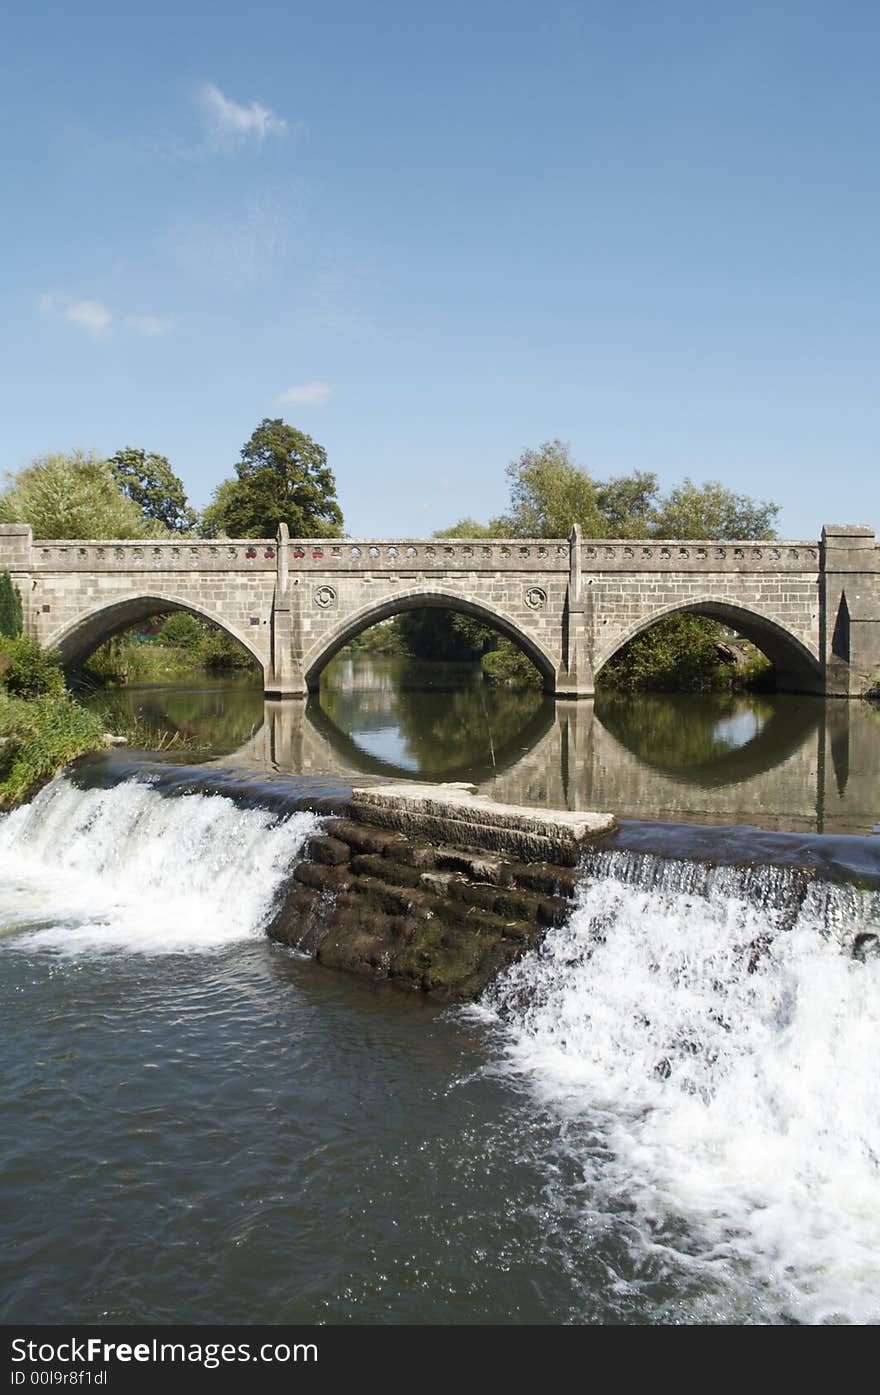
<point>317,659</point>
<point>797,668</point>
<point>82,636</point>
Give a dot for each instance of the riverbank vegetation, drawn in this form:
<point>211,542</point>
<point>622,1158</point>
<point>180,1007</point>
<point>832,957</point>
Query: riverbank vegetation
<point>42,728</point>
<point>169,648</point>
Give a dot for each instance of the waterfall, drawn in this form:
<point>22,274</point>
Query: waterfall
<point>708,1037</point>
<point>126,868</point>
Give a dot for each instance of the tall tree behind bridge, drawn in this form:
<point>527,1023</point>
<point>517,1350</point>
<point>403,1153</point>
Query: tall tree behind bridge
<point>73,495</point>
<point>149,481</point>
<point>282,477</point>
<point>549,493</point>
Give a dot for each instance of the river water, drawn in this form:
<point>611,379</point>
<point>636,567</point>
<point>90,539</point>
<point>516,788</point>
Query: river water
<point>669,1113</point>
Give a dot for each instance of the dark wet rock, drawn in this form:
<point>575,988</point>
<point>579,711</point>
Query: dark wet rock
<point>866,947</point>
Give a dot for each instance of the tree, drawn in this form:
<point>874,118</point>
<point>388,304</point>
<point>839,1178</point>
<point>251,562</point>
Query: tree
<point>548,493</point>
<point>10,607</point>
<point>149,481</point>
<point>73,496</point>
<point>282,477</point>
<point>711,511</point>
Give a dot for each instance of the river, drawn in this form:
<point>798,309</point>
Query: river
<point>668,1114</point>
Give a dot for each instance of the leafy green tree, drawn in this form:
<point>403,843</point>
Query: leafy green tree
<point>149,481</point>
<point>711,511</point>
<point>27,670</point>
<point>10,607</point>
<point>182,631</point>
<point>73,495</point>
<point>282,477</point>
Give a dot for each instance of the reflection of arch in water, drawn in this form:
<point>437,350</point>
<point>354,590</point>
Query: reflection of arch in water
<point>317,659</point>
<point>797,669</point>
<point>77,641</point>
<point>507,756</point>
<point>792,722</point>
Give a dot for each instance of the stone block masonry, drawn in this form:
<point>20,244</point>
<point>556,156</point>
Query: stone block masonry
<point>433,887</point>
<point>570,604</point>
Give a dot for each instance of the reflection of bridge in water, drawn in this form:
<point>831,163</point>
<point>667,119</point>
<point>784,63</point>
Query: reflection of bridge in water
<point>811,766</point>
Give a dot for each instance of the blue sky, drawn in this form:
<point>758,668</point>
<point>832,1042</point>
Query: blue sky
<point>432,236</point>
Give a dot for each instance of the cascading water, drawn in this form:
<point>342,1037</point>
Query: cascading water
<point>125,868</point>
<point>709,1038</point>
<point>668,1112</point>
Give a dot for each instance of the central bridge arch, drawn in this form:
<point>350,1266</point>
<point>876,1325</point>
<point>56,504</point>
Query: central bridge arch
<point>77,640</point>
<point>317,659</point>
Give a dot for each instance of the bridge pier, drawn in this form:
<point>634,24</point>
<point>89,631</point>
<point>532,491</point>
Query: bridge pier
<point>849,609</point>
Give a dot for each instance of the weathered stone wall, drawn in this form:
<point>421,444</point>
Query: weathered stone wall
<point>813,608</point>
<point>438,917</point>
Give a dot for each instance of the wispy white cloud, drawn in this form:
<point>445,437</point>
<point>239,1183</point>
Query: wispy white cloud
<point>227,123</point>
<point>97,319</point>
<point>89,315</point>
<point>149,325</point>
<point>307,394</point>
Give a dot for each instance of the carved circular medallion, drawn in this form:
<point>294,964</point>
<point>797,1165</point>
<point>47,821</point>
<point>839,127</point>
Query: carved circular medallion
<point>535,597</point>
<point>325,596</point>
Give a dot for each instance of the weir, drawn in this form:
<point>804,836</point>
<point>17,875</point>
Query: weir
<point>669,1066</point>
<point>433,886</point>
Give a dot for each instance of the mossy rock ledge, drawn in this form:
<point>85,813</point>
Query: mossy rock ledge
<point>433,887</point>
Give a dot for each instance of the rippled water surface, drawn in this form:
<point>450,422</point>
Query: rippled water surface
<point>670,1113</point>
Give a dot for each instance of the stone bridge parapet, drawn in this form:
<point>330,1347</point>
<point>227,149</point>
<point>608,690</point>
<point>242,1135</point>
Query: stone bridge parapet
<point>570,604</point>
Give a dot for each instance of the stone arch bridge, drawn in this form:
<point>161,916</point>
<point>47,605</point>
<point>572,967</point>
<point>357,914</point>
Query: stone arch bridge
<point>570,604</point>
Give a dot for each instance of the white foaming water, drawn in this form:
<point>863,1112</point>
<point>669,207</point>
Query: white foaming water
<point>723,1057</point>
<point>126,869</point>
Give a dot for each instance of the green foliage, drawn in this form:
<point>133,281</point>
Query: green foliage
<point>40,737</point>
<point>185,645</point>
<point>549,493</point>
<point>433,633</point>
<point>10,607</point>
<point>26,670</point>
<point>508,664</point>
<point>72,496</point>
<point>282,477</point>
<point>384,638</point>
<point>679,654</point>
<point>149,482</point>
<point>711,511</point>
<point>182,631</point>
<point>220,652</point>
<point>756,674</point>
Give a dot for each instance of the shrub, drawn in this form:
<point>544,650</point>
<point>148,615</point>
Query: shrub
<point>10,607</point>
<point>30,671</point>
<point>218,651</point>
<point>508,664</point>
<point>40,737</point>
<point>680,653</point>
<point>182,631</point>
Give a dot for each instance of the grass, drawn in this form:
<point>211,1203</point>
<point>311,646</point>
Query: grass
<point>40,736</point>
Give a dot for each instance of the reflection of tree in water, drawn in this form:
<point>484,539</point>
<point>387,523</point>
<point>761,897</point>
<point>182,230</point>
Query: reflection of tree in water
<point>679,731</point>
<point>222,717</point>
<point>447,717</point>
